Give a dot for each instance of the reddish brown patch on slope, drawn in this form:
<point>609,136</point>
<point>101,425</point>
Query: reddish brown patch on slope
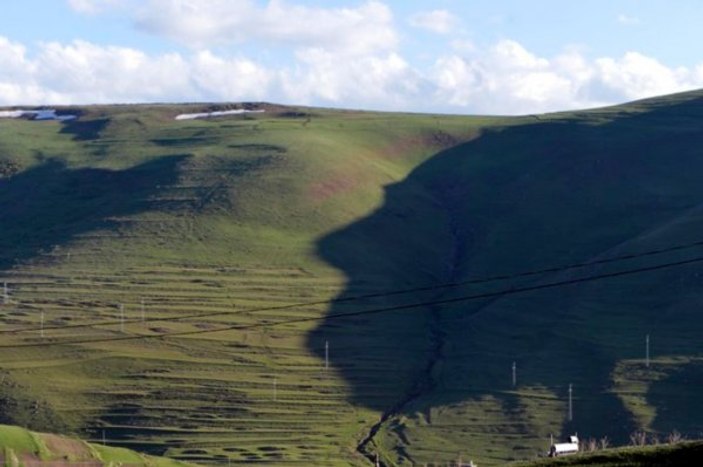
<point>331,186</point>
<point>437,140</point>
<point>64,449</point>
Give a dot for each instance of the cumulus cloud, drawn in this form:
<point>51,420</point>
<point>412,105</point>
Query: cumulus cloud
<point>321,77</point>
<point>204,23</point>
<point>217,78</point>
<point>341,56</point>
<point>437,21</point>
<point>82,72</point>
<point>505,78</point>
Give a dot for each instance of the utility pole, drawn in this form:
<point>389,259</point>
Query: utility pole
<point>121,317</point>
<point>571,408</point>
<point>5,295</point>
<point>275,389</point>
<point>41,325</point>
<point>143,314</point>
<point>514,373</point>
<point>327,355</point>
<point>646,345</point>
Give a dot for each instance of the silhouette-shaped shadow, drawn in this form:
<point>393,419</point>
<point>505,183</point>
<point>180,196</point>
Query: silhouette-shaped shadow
<point>48,205</point>
<point>518,198</point>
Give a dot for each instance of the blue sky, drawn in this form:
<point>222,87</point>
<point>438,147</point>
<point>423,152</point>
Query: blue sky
<point>499,57</point>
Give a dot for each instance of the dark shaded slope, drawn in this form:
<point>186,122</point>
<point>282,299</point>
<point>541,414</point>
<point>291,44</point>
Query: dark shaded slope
<point>517,198</point>
<point>47,206</point>
<point>689,453</point>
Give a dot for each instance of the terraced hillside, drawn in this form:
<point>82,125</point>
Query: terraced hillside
<point>19,447</point>
<point>189,227</point>
<point>216,290</point>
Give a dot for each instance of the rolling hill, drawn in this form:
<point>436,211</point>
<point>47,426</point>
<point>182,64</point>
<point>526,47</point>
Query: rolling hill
<point>217,290</point>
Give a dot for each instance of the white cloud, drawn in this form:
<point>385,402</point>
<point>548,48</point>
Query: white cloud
<point>204,23</point>
<point>437,21</point>
<point>636,75</point>
<point>82,72</point>
<point>235,79</point>
<point>505,78</point>
<point>628,20</point>
<point>321,76</point>
<point>92,7</point>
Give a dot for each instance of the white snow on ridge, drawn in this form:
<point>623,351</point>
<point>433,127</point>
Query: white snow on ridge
<point>218,113</point>
<point>11,113</point>
<point>49,114</point>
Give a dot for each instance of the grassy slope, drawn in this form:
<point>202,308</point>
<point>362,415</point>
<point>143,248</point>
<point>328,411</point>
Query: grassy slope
<point>574,189</point>
<point>21,447</point>
<point>193,217</point>
<point>240,213</point>
<point>689,453</point>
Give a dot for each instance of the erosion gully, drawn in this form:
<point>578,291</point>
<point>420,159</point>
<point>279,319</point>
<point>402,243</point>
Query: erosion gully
<point>424,383</point>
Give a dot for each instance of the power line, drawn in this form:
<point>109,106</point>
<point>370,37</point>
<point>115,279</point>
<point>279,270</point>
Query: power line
<point>373,311</point>
<point>446,285</point>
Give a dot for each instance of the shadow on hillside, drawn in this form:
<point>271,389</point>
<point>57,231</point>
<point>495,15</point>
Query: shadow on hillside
<point>684,413</point>
<point>47,206</point>
<point>515,199</point>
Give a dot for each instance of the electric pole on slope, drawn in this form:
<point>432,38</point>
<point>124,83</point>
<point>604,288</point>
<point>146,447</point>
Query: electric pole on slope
<point>571,407</point>
<point>121,317</point>
<point>143,314</point>
<point>5,295</point>
<point>646,350</point>
<point>514,374</point>
<point>41,324</point>
<point>327,355</point>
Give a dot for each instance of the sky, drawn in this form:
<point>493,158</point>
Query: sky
<point>444,56</point>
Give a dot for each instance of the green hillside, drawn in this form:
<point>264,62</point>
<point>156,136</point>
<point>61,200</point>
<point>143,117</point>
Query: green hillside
<point>689,453</point>
<point>19,447</point>
<point>182,272</point>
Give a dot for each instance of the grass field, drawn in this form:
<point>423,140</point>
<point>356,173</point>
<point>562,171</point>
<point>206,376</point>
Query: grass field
<point>152,265</point>
<point>688,453</point>
<point>19,447</point>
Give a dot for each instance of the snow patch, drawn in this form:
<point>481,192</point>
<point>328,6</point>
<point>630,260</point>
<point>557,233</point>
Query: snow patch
<point>219,113</point>
<point>49,114</point>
